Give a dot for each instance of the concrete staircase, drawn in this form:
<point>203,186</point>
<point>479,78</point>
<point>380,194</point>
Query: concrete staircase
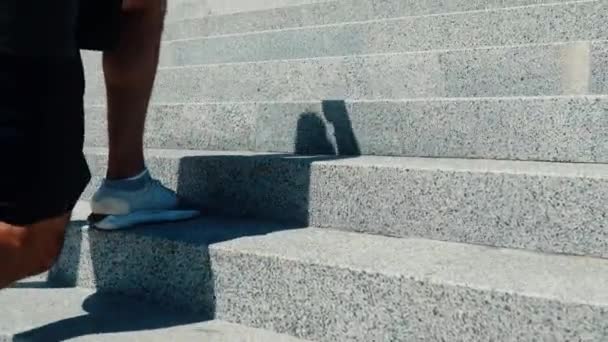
<point>386,170</point>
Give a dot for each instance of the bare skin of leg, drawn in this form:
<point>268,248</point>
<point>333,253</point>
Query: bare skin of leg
<point>30,250</point>
<point>129,71</point>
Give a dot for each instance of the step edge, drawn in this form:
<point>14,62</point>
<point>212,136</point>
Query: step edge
<point>233,248</point>
<point>382,20</point>
<point>457,165</point>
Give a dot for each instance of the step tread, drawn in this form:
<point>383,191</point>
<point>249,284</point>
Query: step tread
<point>568,129</point>
<point>327,13</point>
<point>222,8</point>
<point>554,277</point>
<point>201,231</point>
<point>92,64</point>
<point>558,169</point>
<point>414,53</point>
<point>546,206</point>
<point>574,68</point>
<point>32,311</point>
<point>566,278</point>
<point>526,25</point>
<point>454,14</point>
<point>332,3</point>
<point>596,97</point>
<point>399,287</point>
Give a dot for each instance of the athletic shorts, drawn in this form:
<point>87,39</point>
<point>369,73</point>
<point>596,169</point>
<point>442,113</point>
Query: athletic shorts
<point>99,24</point>
<point>43,171</point>
<point>42,167</point>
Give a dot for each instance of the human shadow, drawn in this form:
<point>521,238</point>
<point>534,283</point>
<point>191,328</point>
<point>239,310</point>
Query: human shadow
<point>273,187</point>
<point>167,266</point>
<point>336,114</point>
<point>170,264</point>
<point>108,314</point>
<point>313,135</point>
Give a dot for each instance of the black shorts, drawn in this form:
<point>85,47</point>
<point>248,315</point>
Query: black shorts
<point>99,24</point>
<point>42,167</point>
<point>43,170</point>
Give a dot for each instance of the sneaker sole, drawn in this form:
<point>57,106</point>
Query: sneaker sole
<point>118,222</point>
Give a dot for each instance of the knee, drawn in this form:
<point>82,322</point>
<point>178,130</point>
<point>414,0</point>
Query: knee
<point>142,28</point>
<point>154,10</point>
<point>41,245</point>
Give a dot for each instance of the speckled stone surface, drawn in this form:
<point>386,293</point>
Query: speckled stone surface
<point>33,312</point>
<point>325,13</point>
<point>536,70</point>
<point>556,207</point>
<point>332,286</point>
<point>216,126</point>
<point>521,25</point>
<point>539,206</point>
<point>164,263</point>
<point>572,129</point>
<point>599,56</point>
<point>168,272</point>
<point>181,9</point>
<point>260,185</point>
<point>327,285</point>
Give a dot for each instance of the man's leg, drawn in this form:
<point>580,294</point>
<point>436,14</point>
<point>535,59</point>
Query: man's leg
<point>30,250</point>
<point>130,70</point>
<point>129,196</point>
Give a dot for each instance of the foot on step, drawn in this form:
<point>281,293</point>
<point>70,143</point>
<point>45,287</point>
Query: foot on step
<point>122,204</point>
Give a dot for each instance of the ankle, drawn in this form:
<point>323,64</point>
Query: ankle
<point>136,182</point>
<point>125,171</point>
<point>125,162</point>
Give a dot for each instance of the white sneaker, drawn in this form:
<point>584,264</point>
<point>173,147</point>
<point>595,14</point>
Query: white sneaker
<point>116,207</point>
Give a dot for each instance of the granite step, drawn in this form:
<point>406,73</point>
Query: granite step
<point>513,26</point>
<point>577,68</point>
<point>168,264</point>
<point>328,285</point>
<point>546,206</point>
<point>193,18</point>
<point>567,129</point>
<point>183,9</point>
<point>334,286</point>
<point>37,311</point>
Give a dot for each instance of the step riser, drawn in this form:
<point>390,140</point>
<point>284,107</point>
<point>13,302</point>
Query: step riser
<point>534,25</point>
<point>552,129</point>
<point>519,209</point>
<point>323,14</point>
<point>165,272</point>
<point>569,69</point>
<point>332,304</point>
<point>528,211</point>
<point>216,127</point>
<point>167,264</point>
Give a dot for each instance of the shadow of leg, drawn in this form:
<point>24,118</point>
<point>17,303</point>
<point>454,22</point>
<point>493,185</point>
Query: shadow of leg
<point>108,314</point>
<point>336,113</point>
<point>311,136</point>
